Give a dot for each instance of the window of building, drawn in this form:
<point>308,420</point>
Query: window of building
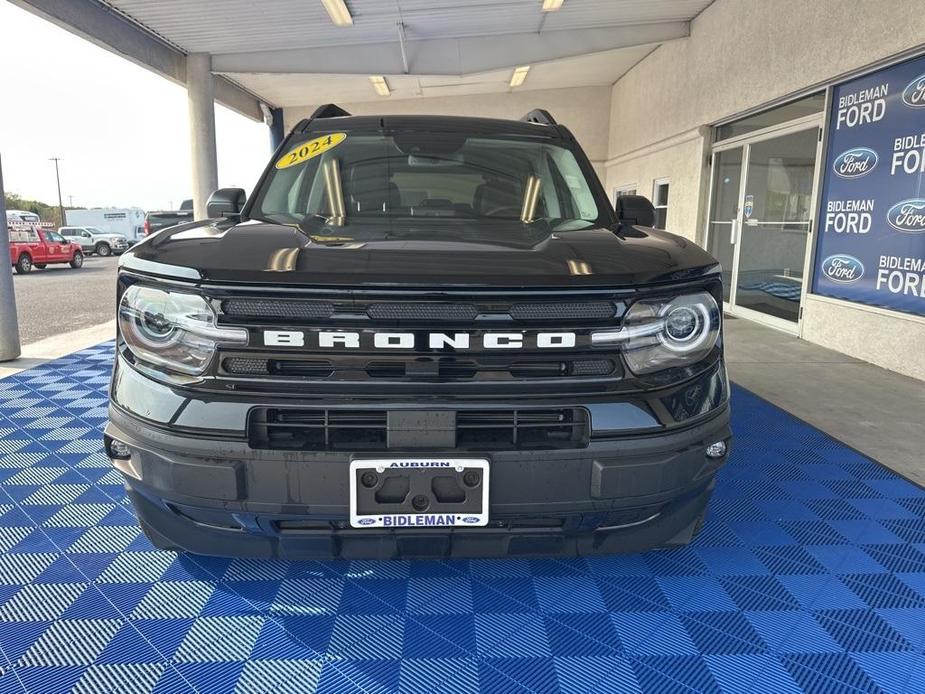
<point>660,200</point>
<point>629,189</point>
<point>808,105</point>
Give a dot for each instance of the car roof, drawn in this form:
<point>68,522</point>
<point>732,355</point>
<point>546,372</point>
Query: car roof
<point>468,124</point>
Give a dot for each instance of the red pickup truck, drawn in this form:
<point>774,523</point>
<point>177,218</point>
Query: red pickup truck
<point>34,247</point>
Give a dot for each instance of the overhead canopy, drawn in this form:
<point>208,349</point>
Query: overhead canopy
<point>290,53</point>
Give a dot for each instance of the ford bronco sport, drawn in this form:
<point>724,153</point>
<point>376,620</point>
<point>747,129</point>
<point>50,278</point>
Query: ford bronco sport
<point>419,336</point>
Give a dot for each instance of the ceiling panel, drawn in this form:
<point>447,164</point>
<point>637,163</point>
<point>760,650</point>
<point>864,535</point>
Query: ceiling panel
<point>235,26</point>
<point>248,26</point>
<point>299,90</point>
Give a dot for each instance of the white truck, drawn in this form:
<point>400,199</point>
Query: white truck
<point>125,221</point>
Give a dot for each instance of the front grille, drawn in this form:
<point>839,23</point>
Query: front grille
<point>494,309</point>
<point>422,312</point>
<point>277,308</point>
<point>461,358</point>
<point>414,369</point>
<point>327,429</point>
<point>293,368</point>
<point>586,310</point>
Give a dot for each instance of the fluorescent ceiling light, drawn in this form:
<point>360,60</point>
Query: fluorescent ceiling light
<point>338,12</point>
<point>520,74</point>
<point>552,5</point>
<point>380,85</point>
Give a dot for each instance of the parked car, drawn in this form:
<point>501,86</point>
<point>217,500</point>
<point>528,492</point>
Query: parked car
<point>155,221</point>
<point>32,247</point>
<point>93,240</point>
<point>421,336</point>
<point>125,221</point>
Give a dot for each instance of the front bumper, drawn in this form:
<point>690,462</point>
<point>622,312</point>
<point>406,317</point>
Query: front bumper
<point>211,493</point>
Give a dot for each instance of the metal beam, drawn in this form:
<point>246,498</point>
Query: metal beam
<point>102,25</point>
<point>459,56</point>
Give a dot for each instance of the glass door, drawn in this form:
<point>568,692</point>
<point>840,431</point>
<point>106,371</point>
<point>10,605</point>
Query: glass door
<point>776,213</point>
<point>761,205</point>
<point>724,212</point>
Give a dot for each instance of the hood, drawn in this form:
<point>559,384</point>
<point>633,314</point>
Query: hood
<point>423,252</point>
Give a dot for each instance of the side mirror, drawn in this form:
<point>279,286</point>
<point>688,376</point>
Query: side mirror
<point>635,210</point>
<point>226,202</point>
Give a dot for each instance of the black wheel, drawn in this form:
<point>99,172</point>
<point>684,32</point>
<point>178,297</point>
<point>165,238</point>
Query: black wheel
<point>24,264</point>
<point>103,249</point>
<point>40,266</point>
<point>78,260</point>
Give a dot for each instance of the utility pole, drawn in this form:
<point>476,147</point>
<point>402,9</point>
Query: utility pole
<point>58,177</point>
<point>9,326</point>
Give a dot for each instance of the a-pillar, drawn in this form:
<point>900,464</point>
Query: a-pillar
<point>200,89</point>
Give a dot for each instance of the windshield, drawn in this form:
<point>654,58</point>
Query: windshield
<point>342,176</point>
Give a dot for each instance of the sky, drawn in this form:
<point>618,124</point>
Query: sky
<point>120,130</point>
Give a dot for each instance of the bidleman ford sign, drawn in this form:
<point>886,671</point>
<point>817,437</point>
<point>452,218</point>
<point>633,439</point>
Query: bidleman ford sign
<point>871,242</point>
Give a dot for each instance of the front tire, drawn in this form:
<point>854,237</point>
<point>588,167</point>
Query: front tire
<point>77,261</point>
<point>24,264</point>
<point>103,250</point>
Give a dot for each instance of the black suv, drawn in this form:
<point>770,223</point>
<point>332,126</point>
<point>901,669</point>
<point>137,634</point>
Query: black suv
<point>420,336</point>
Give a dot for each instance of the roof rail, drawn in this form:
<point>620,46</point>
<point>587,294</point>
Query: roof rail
<point>540,116</point>
<point>328,111</point>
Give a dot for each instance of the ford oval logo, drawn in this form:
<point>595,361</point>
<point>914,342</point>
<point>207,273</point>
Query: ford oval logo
<point>908,216</point>
<point>366,521</point>
<point>470,519</point>
<point>841,268</point>
<point>914,93</point>
<point>855,162</point>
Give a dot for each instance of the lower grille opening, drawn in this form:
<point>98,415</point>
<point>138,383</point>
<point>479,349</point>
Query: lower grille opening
<point>298,429</point>
<point>318,430</point>
<point>521,429</point>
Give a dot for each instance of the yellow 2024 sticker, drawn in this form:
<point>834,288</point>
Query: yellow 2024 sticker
<point>310,149</point>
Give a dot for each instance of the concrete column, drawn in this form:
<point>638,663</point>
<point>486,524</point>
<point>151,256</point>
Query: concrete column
<point>9,325</point>
<point>200,89</point>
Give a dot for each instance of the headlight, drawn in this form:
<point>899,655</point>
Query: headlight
<point>663,333</point>
<point>173,331</point>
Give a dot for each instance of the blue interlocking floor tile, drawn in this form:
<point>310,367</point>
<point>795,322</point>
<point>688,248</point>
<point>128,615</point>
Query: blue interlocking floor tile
<point>808,576</point>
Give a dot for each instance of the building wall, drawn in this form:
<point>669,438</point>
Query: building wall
<point>742,54</point>
<point>680,159</point>
<point>584,110</point>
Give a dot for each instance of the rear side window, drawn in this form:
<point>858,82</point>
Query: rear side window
<point>427,174</point>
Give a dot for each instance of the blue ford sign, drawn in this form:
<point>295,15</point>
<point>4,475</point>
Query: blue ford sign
<point>870,240</point>
<point>914,93</point>
<point>908,216</point>
<point>841,268</point>
<point>855,162</point>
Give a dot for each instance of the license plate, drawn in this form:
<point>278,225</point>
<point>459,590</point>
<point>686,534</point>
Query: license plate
<point>419,493</point>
